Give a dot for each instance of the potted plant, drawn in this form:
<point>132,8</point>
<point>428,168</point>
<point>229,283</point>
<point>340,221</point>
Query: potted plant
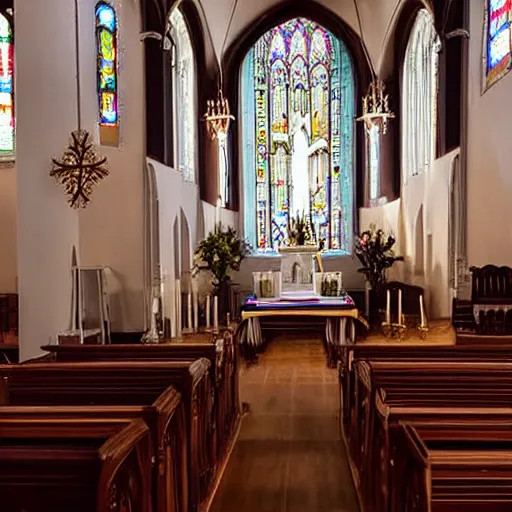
<point>221,252</point>
<point>374,250</point>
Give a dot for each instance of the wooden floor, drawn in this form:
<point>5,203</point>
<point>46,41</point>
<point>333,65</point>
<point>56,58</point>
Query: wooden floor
<point>289,456</point>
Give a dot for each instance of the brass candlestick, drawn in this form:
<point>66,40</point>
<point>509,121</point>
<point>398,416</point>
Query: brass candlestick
<point>423,331</point>
<point>394,331</point>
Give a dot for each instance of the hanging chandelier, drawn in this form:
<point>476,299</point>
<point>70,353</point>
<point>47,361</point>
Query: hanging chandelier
<point>376,111</point>
<point>218,117</point>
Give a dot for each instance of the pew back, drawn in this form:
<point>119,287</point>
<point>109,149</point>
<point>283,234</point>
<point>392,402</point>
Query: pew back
<point>86,470</point>
<point>457,466</point>
<point>127,383</point>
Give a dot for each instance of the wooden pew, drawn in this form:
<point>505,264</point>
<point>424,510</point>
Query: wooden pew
<point>75,466</point>
<point>127,383</point>
<point>418,383</point>
<point>223,357</point>
<point>465,466</point>
<point>387,459</point>
<point>165,419</point>
<point>350,353</point>
<point>350,415</point>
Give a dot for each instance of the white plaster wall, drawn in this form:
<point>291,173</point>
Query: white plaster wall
<point>430,192</point>
<point>8,230</point>
<point>489,167</point>
<point>46,110</point>
<point>111,227</point>
<point>176,198</point>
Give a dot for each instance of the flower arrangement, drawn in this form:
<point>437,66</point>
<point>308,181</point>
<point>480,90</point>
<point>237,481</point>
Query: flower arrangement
<point>299,232</point>
<point>221,252</point>
<point>375,251</point>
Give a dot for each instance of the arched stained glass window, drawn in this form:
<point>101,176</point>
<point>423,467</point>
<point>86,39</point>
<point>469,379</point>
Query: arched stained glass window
<point>6,90</point>
<point>184,97</point>
<point>106,41</point>
<point>297,135</point>
<point>497,40</point>
<point>419,96</point>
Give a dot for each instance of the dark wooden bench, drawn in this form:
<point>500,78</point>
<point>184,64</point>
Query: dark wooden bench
<point>387,459</point>
<point>223,357</point>
<point>465,466</point>
<point>491,287</point>
<point>127,383</point>
<point>421,384</point>
<point>350,353</point>
<point>75,466</point>
<point>165,418</point>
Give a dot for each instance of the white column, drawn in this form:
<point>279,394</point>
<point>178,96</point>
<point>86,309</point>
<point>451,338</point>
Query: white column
<point>46,114</point>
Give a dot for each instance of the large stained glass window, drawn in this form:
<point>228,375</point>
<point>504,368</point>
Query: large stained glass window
<point>106,40</point>
<point>184,97</point>
<point>497,37</point>
<point>297,135</point>
<point>6,90</point>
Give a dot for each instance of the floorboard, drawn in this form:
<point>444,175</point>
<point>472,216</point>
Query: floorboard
<point>289,455</point>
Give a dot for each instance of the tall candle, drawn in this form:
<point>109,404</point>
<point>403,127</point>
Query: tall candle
<point>178,308</point>
<point>196,311</point>
<point>156,306</point>
<point>399,306</point>
<point>189,311</point>
<point>388,307</point>
<point>422,312</point>
<point>208,311</point>
<point>216,312</point>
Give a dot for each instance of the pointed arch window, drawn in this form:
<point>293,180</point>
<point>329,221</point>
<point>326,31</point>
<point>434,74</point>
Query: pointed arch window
<point>297,102</point>
<point>185,97</point>
<point>497,40</point>
<point>107,78</point>
<point>419,96</point>
<point>7,120</point>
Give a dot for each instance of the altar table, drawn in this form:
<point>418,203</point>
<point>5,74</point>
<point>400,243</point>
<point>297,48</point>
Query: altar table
<point>341,315</point>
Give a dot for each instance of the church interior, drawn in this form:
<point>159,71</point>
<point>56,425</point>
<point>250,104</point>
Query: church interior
<point>257,270</point>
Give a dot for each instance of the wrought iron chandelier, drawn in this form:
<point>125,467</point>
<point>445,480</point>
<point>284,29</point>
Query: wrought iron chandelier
<point>218,117</point>
<point>376,110</point>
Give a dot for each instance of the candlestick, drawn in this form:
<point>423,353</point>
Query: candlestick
<point>156,306</point>
<point>196,311</point>
<point>399,306</point>
<point>189,311</point>
<point>422,312</point>
<point>228,320</point>
<point>216,312</point>
<point>388,307</point>
<point>208,311</point>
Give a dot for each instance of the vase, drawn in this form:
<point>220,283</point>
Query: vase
<point>375,301</point>
<point>224,293</point>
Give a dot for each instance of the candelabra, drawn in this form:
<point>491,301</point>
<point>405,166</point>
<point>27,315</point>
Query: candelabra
<point>376,109</point>
<point>218,117</point>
